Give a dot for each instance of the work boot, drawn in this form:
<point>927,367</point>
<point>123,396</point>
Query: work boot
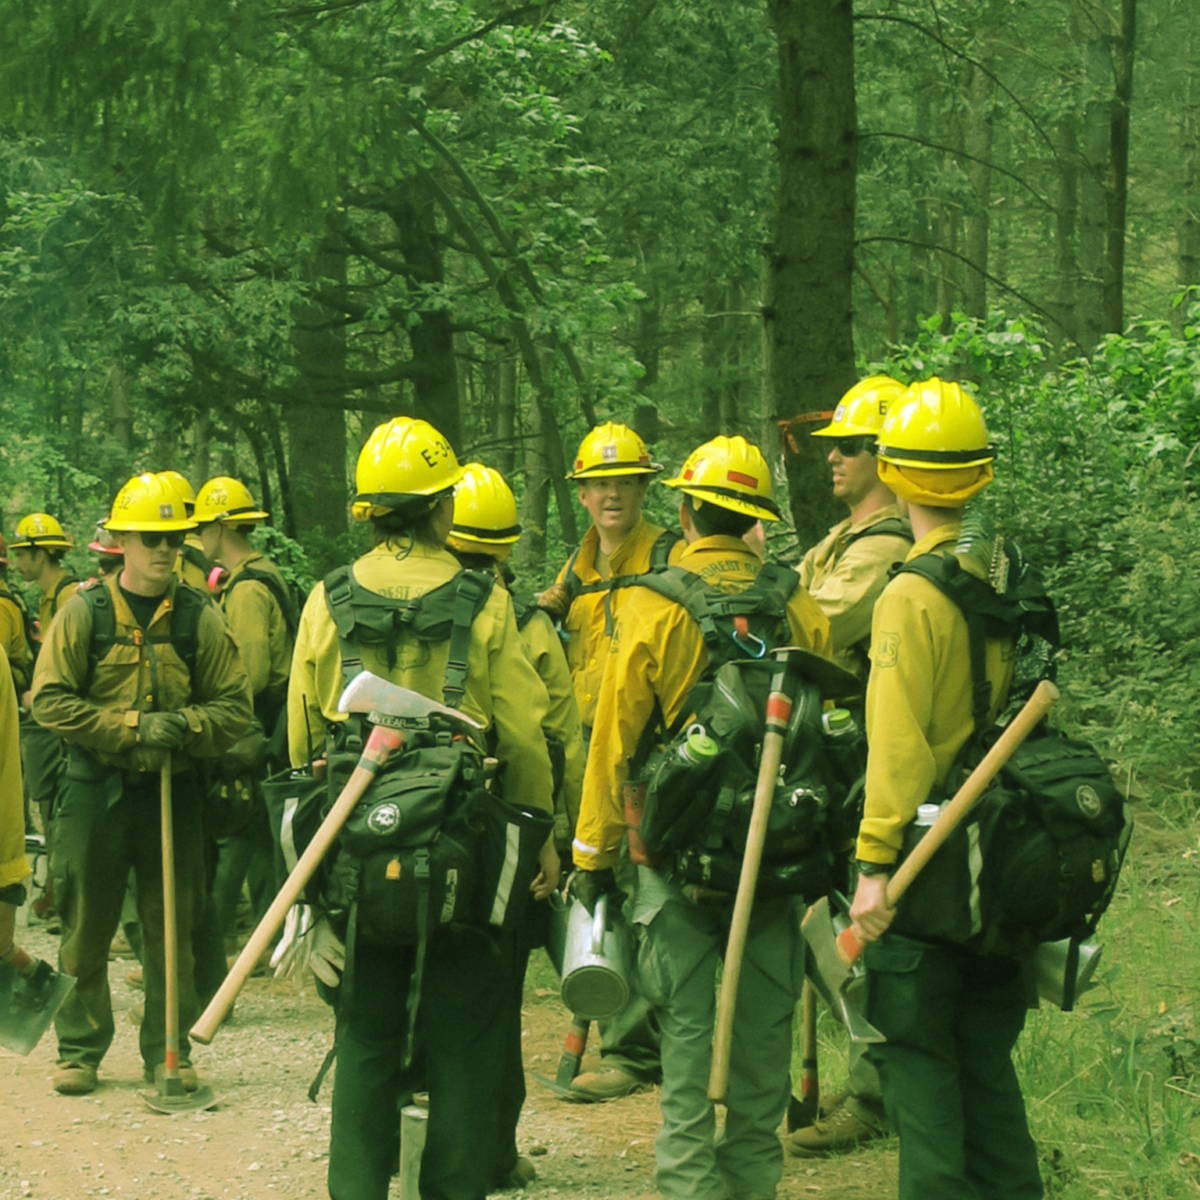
<point>521,1175</point>
<point>842,1130</point>
<point>609,1083</point>
<point>74,1079</point>
<point>187,1076</point>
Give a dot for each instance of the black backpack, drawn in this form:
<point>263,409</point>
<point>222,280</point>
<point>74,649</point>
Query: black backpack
<point>28,625</point>
<point>184,635</point>
<point>1037,858</point>
<point>689,801</point>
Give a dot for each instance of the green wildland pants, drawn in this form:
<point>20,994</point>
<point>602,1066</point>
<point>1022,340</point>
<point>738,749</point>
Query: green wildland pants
<point>951,1020</point>
<point>679,956</point>
<point>107,824</point>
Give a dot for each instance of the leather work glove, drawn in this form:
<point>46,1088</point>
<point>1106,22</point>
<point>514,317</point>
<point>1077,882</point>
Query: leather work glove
<point>162,730</point>
<point>588,886</point>
<point>310,943</point>
<point>149,760</point>
<point>246,755</point>
<point>554,601</point>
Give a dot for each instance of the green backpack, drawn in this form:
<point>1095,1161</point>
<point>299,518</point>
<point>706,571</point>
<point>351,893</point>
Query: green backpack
<point>690,797</point>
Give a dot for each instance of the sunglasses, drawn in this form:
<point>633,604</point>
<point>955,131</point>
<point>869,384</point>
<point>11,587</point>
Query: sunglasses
<point>854,446</point>
<point>152,541</point>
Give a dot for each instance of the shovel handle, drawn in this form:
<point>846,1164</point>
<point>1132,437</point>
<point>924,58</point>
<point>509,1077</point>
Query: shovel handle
<point>381,745</point>
<point>1044,697</point>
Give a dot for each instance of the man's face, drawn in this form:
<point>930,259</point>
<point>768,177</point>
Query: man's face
<point>148,568</point>
<point>27,560</point>
<point>854,475</point>
<point>614,504</point>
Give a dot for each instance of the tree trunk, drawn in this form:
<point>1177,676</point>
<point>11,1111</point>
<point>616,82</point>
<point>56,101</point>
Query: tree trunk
<point>316,433</point>
<point>505,453</point>
<point>807,310</point>
<point>917,292</point>
<point>1066,257</point>
<point>1093,204</point>
<point>979,120</point>
<point>435,381</point>
<point>1118,171</point>
<point>1188,234</point>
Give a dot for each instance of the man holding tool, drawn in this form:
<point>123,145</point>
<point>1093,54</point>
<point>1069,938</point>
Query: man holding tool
<point>845,573</point>
<point>658,653</point>
<point>951,1017</point>
<point>135,669</point>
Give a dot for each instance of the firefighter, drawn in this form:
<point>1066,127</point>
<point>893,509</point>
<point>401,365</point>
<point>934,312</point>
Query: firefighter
<point>14,866</point>
<point>137,672</point>
<point>612,469</point>
<point>108,554</point>
<point>658,653</point>
<point>193,566</point>
<point>844,573</point>
<point>15,628</point>
<point>38,554</point>
<point>483,535</point>
<point>258,606</point>
<point>951,1018</point>
<point>405,478</point>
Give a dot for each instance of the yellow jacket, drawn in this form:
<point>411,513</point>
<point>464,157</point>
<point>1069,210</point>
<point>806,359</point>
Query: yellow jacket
<point>502,689</point>
<point>14,867</point>
<point>54,597</point>
<point>657,654</point>
<point>545,650</point>
<point>258,625</point>
<point>918,698</point>
<point>844,574</point>
<point>587,624</point>
<point>13,641</point>
<point>143,676</point>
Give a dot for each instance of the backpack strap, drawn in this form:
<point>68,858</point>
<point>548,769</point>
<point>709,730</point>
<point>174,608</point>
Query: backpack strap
<point>197,558</point>
<point>888,527</point>
<point>445,613</point>
<point>183,635</point>
<point>277,586</point>
<point>660,557</point>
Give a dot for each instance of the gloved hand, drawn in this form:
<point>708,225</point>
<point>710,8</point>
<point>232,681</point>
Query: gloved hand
<point>149,760</point>
<point>162,730</point>
<point>309,942</point>
<point>588,886</point>
<point>246,755</point>
<point>554,601</point>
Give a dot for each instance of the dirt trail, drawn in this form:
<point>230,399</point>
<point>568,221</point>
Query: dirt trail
<point>266,1139</point>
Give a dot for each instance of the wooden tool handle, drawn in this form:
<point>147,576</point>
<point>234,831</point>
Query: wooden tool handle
<point>764,793</point>
<point>1044,697</point>
<point>382,743</point>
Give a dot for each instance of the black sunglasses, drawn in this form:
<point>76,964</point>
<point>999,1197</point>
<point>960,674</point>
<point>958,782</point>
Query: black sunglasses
<point>152,541</point>
<point>854,446</point>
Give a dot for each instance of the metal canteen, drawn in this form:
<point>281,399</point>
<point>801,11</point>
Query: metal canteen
<point>1051,968</point>
<point>595,963</point>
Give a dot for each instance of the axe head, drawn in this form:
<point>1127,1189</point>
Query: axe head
<point>368,693</point>
<point>840,986</point>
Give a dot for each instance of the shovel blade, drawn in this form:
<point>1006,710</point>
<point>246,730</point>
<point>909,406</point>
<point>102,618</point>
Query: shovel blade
<point>28,1003</point>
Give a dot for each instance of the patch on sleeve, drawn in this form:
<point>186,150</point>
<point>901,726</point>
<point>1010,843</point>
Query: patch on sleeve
<point>885,650</point>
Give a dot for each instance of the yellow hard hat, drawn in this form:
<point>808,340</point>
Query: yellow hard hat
<point>227,500</point>
<point>860,412</point>
<point>485,512</point>
<point>148,502</point>
<point>403,458</point>
<point>730,473</point>
<point>610,450</point>
<point>40,529</point>
<point>936,425</point>
<point>181,484</point>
